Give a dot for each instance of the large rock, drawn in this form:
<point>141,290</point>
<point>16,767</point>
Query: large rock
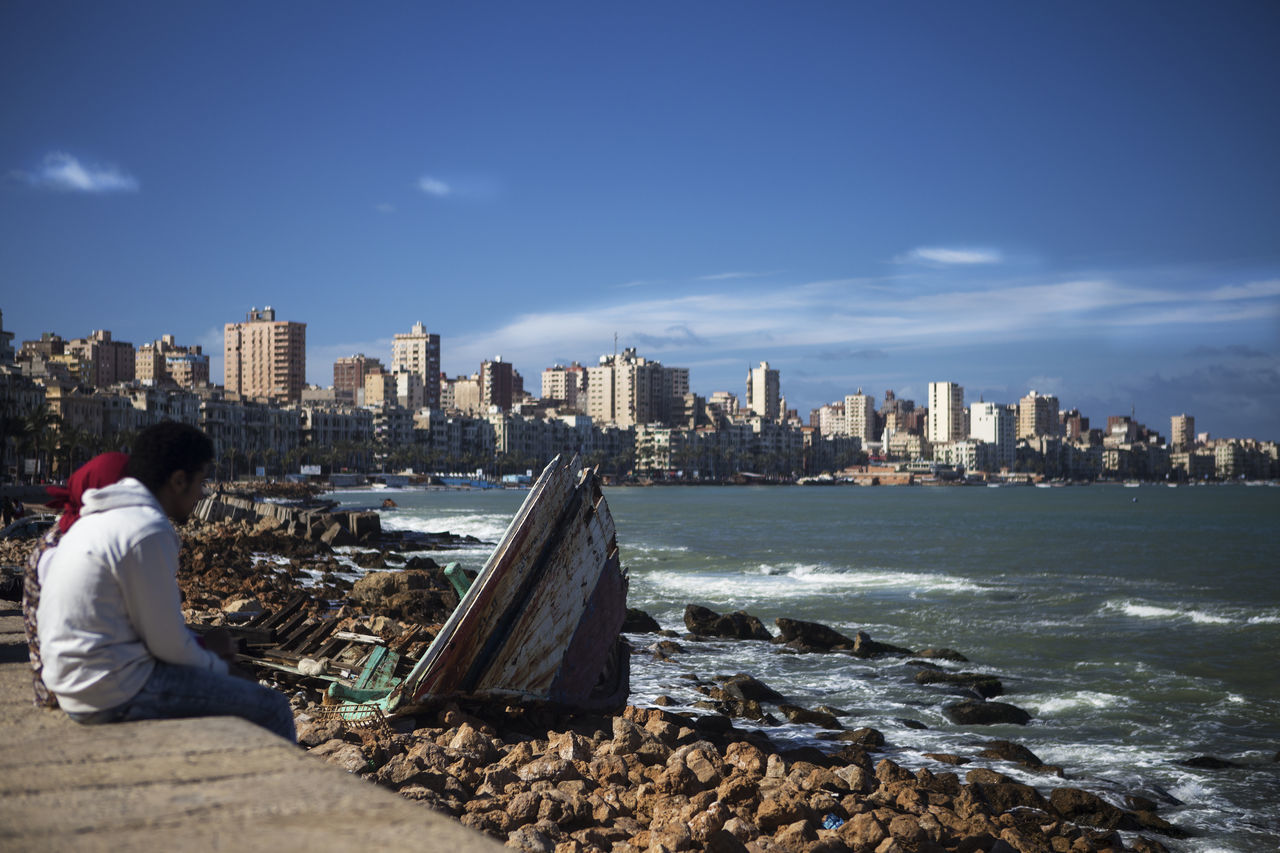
<point>748,688</point>
<point>336,536</point>
<point>638,622</point>
<point>1080,806</point>
<point>865,647</point>
<point>973,712</point>
<point>811,636</point>
<point>985,686</point>
<point>705,622</point>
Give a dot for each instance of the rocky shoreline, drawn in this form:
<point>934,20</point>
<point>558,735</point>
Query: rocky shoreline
<point>705,777</point>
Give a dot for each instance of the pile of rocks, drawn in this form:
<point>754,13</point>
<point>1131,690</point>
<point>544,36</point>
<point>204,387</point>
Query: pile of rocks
<point>655,780</point>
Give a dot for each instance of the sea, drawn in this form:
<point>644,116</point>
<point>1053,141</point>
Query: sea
<point>1140,627</point>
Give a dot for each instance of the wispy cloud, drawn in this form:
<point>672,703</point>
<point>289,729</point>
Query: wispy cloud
<point>1230,351</point>
<point>64,172</point>
<point>434,186</point>
<point>471,188</point>
<point>941,256</point>
<point>385,207</point>
<point>804,318</point>
<point>727,276</point>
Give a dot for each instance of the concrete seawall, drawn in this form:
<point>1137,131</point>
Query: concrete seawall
<point>200,784</point>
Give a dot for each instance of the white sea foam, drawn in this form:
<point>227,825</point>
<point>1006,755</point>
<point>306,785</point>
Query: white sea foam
<point>1264,620</point>
<point>1141,610</point>
<point>796,580</point>
<point>1080,700</point>
<point>486,526</point>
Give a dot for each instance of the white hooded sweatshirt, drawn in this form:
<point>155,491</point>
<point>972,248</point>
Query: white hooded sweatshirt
<point>110,605</point>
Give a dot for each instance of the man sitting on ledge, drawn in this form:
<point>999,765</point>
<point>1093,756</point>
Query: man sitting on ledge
<point>114,642</point>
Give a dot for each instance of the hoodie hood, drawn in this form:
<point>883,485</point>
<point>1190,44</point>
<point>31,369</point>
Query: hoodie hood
<point>127,492</point>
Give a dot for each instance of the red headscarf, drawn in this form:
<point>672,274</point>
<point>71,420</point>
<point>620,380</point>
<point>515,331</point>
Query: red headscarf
<point>102,470</point>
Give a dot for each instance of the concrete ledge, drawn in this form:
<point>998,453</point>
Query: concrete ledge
<point>202,784</point>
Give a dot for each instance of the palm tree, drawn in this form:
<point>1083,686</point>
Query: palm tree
<point>42,426</point>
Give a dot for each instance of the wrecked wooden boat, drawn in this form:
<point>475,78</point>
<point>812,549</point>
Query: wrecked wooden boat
<point>540,623</point>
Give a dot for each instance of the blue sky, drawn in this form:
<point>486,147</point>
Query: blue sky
<point>1081,198</point>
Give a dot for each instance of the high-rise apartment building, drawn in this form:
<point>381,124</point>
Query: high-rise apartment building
<point>830,419</point>
<point>565,385</point>
<point>946,412</point>
<point>266,357</point>
<point>108,361</point>
<point>860,416</point>
<point>164,362</point>
<point>418,352</point>
<point>497,384</point>
<point>1182,432</point>
<point>349,372</point>
<point>996,424</point>
<point>627,390</point>
<point>1037,415</point>
<point>764,392</point>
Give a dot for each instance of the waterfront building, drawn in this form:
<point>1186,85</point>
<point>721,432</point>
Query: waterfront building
<point>497,384</point>
<point>829,419</point>
<point>6,343</point>
<point>1182,432</point>
<point>764,392</point>
<point>627,390</point>
<point>970,454</point>
<point>266,358</point>
<point>565,387</point>
<point>1073,426</point>
<point>418,351</point>
<point>996,425</point>
<point>1037,415</point>
<point>946,412</point>
<point>860,417</point>
<point>164,362</point>
<point>107,361</point>
<point>379,388</point>
<point>331,426</point>
<point>411,393</point>
<point>726,402</point>
<point>349,374</point>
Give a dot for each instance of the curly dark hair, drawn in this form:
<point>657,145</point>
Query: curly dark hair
<point>163,448</point>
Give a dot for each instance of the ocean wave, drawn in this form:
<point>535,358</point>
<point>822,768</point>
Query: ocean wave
<point>489,527</point>
<point>1080,700</point>
<point>1142,610</point>
<point>773,582</point>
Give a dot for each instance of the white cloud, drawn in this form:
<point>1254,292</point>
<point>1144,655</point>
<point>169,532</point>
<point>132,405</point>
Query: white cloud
<point>726,276</point>
<point>384,207</point>
<point>62,171</point>
<point>821,314</point>
<point>434,186</point>
<point>936,255</point>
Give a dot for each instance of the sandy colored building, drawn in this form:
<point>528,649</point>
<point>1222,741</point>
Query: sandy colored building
<point>266,357</point>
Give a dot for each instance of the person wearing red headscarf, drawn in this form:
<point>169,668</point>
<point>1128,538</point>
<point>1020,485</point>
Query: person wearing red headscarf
<point>101,470</point>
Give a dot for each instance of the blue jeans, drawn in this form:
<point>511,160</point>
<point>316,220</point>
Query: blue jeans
<point>185,691</point>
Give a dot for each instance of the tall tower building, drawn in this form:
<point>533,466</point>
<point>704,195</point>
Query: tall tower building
<point>860,415</point>
<point>1037,415</point>
<point>764,392</point>
<point>266,357</point>
<point>497,384</point>
<point>349,373</point>
<point>996,424</point>
<point>946,412</point>
<point>567,385</point>
<point>1182,432</point>
<point>627,390</point>
<point>418,352</point>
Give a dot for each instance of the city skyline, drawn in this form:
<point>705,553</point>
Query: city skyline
<point>1079,200</point>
